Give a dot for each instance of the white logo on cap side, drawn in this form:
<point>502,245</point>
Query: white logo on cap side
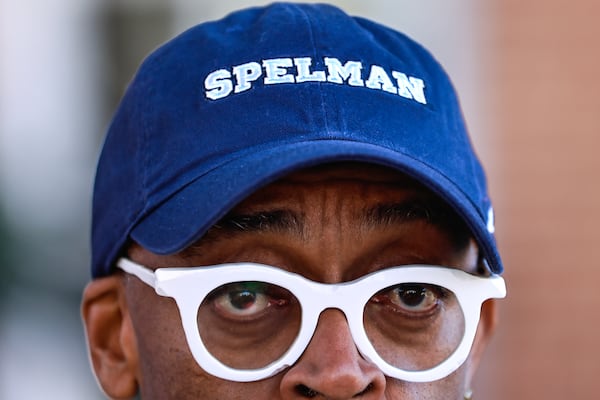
<point>490,220</point>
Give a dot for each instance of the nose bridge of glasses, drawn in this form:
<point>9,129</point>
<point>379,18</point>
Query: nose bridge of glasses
<point>344,297</point>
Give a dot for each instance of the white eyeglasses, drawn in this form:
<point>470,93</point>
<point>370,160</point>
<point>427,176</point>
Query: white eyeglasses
<point>246,322</point>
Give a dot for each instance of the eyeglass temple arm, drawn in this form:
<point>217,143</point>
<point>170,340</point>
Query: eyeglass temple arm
<point>146,275</point>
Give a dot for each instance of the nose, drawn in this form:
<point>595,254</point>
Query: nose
<point>331,366</point>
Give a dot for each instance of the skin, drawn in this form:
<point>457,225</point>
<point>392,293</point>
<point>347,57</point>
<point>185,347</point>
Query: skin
<point>135,337</point>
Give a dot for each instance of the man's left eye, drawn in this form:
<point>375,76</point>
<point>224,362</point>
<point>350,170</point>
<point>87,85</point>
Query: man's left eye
<point>413,297</point>
<point>410,298</point>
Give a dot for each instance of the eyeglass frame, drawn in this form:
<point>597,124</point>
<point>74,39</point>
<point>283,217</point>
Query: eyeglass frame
<point>189,286</point>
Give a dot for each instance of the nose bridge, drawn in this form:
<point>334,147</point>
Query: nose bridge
<point>333,327</point>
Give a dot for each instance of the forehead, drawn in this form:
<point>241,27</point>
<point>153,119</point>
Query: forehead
<point>349,171</point>
<point>341,208</point>
<point>343,197</point>
<point>350,177</point>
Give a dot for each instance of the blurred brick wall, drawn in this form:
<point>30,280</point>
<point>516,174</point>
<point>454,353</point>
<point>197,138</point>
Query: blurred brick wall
<point>544,59</point>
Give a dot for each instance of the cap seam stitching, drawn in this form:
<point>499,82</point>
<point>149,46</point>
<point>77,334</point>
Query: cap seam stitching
<point>311,32</point>
<point>145,163</point>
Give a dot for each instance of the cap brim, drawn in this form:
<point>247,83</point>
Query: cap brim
<point>188,213</point>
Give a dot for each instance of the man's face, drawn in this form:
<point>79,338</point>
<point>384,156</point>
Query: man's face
<point>330,224</point>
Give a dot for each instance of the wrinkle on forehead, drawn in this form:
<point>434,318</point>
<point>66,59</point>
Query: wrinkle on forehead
<point>333,200</point>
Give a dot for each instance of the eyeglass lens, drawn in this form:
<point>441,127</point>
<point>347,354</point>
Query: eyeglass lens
<point>414,327</point>
<point>411,326</point>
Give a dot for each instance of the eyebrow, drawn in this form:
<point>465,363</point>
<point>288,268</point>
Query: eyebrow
<point>285,221</point>
<point>288,221</point>
<point>262,221</point>
<point>426,209</point>
<point>422,208</point>
<point>277,221</point>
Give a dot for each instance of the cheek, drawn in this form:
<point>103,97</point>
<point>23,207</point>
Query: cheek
<point>167,369</point>
<point>160,337</point>
<point>450,388</point>
<point>162,348</point>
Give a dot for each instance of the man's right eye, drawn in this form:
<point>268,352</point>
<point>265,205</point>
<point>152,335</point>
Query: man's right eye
<point>246,300</point>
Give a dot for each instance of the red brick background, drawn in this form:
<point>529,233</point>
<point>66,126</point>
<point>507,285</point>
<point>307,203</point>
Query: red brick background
<point>544,57</point>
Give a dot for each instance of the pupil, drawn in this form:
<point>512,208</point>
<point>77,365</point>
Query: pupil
<point>412,296</point>
<point>242,299</point>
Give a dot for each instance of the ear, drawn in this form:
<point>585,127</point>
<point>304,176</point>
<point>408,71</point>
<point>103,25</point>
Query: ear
<point>487,325</point>
<point>110,337</point>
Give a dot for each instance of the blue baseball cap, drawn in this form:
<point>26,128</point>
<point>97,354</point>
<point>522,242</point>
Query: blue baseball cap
<point>232,105</point>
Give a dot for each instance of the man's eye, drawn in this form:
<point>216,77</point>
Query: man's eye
<point>242,301</point>
<point>245,299</point>
<point>411,298</point>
